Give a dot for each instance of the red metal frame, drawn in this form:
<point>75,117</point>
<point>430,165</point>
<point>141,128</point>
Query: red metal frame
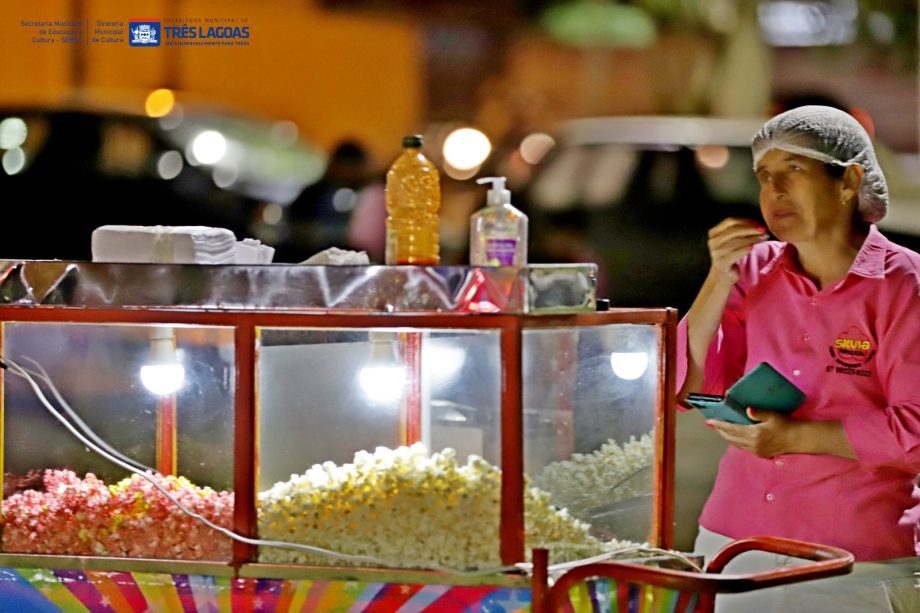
<point>410,344</point>
<point>167,455</point>
<point>665,448</point>
<point>828,562</point>
<point>245,444</point>
<point>511,530</point>
<point>510,326</point>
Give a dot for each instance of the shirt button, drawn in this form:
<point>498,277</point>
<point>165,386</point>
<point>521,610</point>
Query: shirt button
<point>814,301</point>
<point>806,338</point>
<point>779,462</point>
<point>796,372</point>
<point>769,497</point>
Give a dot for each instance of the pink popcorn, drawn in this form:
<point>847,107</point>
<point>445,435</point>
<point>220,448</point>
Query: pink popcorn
<point>130,519</point>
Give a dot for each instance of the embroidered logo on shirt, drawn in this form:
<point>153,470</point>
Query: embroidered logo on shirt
<point>852,351</point>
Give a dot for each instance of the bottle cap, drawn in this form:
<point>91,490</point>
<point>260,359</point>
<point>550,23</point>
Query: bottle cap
<point>413,141</point>
<point>498,194</point>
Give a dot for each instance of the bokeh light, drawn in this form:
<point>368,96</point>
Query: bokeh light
<point>272,213</point>
<point>535,146</point>
<point>169,165</point>
<point>13,161</point>
<point>712,156</point>
<point>13,132</point>
<point>159,102</point>
<point>466,148</point>
<point>225,176</point>
<point>209,147</point>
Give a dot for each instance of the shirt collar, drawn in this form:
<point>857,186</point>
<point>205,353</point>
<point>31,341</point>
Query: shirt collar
<point>869,262</point>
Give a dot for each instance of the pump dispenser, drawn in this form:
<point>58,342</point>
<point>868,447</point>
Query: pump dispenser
<point>498,194</point>
<point>498,231</point>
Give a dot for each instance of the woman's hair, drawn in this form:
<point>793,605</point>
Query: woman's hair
<point>836,171</point>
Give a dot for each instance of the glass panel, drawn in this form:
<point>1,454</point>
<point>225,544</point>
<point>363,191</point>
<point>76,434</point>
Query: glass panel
<point>337,409</point>
<point>61,496</point>
<point>590,396</point>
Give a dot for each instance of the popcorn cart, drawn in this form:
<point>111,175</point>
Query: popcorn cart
<point>276,437</point>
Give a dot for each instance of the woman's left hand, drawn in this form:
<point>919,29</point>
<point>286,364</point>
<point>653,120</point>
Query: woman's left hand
<point>773,436</point>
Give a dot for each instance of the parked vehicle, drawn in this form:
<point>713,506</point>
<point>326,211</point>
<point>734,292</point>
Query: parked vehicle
<point>66,171</point>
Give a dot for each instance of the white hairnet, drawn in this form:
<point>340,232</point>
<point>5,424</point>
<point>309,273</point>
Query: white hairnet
<point>831,136</point>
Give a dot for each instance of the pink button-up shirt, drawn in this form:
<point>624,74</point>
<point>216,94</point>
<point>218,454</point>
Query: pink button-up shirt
<point>854,349</point>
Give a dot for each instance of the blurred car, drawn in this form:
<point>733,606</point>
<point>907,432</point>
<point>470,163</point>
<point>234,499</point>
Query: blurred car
<point>66,171</point>
<point>639,194</point>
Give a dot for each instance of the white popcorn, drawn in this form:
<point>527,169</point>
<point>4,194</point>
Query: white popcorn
<point>608,475</point>
<point>411,510</point>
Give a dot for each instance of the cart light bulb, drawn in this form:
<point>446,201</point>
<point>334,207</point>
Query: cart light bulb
<point>162,379</point>
<point>382,383</point>
<point>163,373</point>
<point>629,365</point>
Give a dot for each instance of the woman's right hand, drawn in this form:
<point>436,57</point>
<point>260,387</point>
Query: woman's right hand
<point>729,241</point>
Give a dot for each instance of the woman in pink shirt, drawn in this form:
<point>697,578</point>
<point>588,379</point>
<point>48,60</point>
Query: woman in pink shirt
<point>835,307</point>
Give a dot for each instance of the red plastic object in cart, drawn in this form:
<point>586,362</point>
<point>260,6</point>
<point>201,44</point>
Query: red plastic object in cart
<point>676,590</point>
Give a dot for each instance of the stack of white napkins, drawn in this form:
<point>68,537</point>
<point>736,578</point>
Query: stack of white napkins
<point>252,251</point>
<point>333,256</point>
<point>176,245</point>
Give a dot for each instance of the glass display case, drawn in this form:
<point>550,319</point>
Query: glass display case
<point>116,404</point>
<point>443,418</point>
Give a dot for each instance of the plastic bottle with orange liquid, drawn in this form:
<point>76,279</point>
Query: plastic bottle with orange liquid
<point>413,195</point>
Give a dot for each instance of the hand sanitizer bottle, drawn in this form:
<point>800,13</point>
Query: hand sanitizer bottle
<point>498,231</point>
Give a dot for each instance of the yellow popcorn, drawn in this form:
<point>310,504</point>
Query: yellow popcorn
<point>410,509</point>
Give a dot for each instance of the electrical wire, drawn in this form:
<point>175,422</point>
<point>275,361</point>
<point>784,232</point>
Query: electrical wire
<point>43,375</point>
<point>616,556</point>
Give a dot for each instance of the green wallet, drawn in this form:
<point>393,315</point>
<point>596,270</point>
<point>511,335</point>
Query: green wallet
<point>762,388</point>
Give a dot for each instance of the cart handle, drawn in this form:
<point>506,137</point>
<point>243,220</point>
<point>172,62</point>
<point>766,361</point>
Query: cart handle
<point>778,545</point>
<point>827,562</point>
